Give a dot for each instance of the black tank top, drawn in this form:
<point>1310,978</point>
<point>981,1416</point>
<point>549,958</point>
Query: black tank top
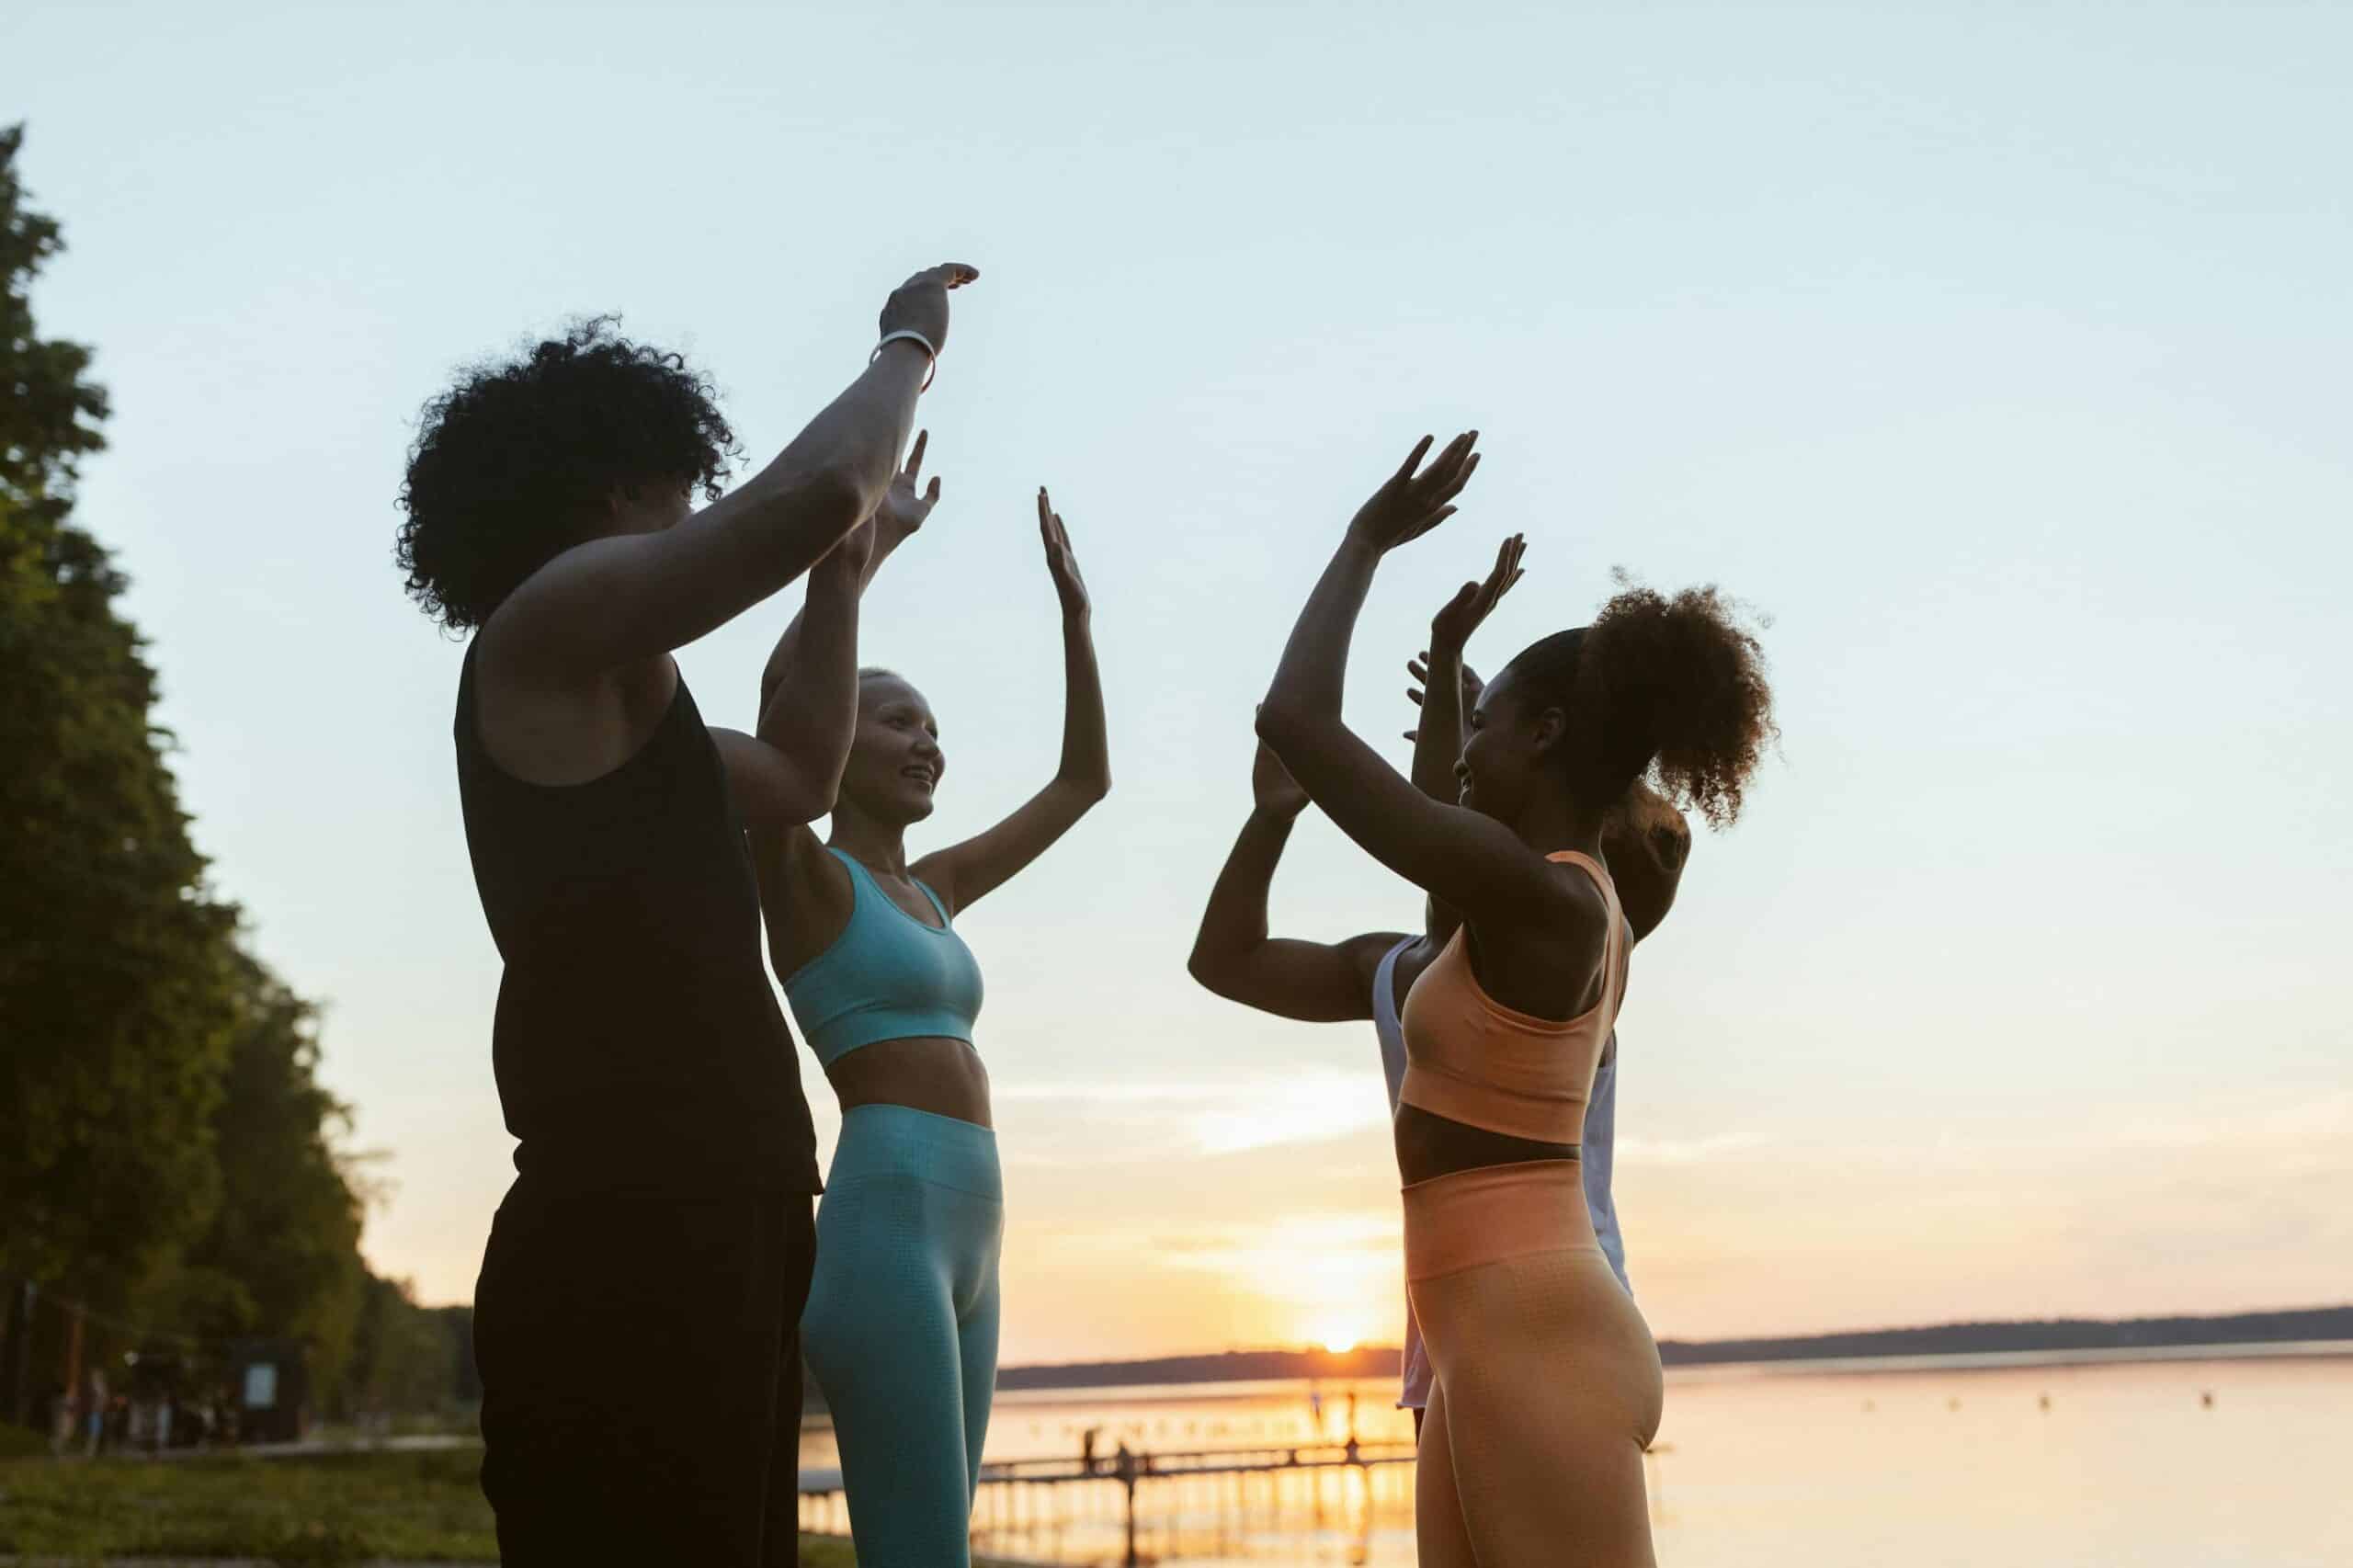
<point>637,1038</point>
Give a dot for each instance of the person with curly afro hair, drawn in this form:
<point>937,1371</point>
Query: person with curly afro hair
<point>636,1320</point>
<point>1506,1029</point>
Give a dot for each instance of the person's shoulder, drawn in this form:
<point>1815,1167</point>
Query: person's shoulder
<point>1582,888</point>
<point>573,732</point>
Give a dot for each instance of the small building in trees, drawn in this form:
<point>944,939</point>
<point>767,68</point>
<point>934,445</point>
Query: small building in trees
<point>269,1380</point>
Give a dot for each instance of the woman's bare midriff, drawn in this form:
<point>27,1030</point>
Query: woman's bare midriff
<point>929,1072</point>
<point>1429,1146</point>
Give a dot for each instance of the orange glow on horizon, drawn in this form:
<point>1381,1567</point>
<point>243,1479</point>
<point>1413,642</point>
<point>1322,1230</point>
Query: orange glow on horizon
<point>1339,1333</point>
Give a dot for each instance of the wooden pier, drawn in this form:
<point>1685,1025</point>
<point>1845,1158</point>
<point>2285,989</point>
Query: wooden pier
<point>1006,1484</point>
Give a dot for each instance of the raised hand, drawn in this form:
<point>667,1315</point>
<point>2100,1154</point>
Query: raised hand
<point>1460,615</point>
<point>1410,504</point>
<point>1063,565</point>
<point>920,304</point>
<point>1272,789</point>
<point>1419,670</point>
<point>905,507</point>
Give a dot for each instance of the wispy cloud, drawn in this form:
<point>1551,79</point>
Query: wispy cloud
<point>1218,1118</point>
<point>1685,1151</point>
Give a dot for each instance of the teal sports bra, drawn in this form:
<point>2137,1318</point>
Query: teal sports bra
<point>887,976</point>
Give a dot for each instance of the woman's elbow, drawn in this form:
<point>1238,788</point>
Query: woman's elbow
<point>1282,725</point>
<point>813,792</point>
<point>1084,786</point>
<point>1207,969</point>
<point>834,494</point>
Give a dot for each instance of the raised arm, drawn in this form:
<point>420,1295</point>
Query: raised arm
<point>904,506</point>
<point>605,602</point>
<point>1437,739</point>
<point>1448,687</point>
<point>962,873</point>
<point>1320,983</point>
<point>1464,859</point>
<point>787,774</point>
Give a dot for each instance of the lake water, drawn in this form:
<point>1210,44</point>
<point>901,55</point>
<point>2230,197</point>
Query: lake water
<point>2220,1458</point>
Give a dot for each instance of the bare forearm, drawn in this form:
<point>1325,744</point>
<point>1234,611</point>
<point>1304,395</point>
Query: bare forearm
<point>1235,921</point>
<point>810,716</point>
<point>828,479</point>
<point>969,871</point>
<point>787,648</point>
<point>1303,703</point>
<point>1086,747</point>
<point>1437,746</point>
<point>860,434</point>
<point>632,595</point>
<point>1437,743</point>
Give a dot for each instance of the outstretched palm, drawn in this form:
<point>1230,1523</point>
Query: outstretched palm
<point>1410,504</point>
<point>1419,669</point>
<point>904,506</point>
<point>1461,615</point>
<point>1060,562</point>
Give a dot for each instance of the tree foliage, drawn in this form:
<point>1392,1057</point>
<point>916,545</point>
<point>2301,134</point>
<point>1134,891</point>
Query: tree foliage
<point>115,992</point>
<point>404,1357</point>
<point>167,1152</point>
<point>287,1228</point>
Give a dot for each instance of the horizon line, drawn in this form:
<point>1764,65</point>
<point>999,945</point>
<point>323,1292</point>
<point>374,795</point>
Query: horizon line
<point>1369,1347</point>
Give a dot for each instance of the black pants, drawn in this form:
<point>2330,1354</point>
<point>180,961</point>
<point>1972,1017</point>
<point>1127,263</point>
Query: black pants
<point>641,1367</point>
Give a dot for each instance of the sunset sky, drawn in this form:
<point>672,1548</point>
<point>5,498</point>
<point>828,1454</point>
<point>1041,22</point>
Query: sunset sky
<point>1998,353</point>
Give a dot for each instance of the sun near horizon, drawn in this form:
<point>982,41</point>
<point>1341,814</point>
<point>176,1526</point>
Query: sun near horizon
<point>1341,1330</point>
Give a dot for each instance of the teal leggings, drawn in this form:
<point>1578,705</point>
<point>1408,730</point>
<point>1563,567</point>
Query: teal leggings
<point>902,1325</point>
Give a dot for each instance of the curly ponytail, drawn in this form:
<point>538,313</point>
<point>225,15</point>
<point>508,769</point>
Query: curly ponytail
<point>1670,692</point>
<point>1676,689</point>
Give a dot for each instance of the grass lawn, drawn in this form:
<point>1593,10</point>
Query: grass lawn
<point>331,1508</point>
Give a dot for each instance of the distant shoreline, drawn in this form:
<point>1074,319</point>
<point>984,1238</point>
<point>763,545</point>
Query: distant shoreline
<point>2322,1331</point>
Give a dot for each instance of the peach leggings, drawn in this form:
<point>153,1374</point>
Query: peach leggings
<point>1548,1379</point>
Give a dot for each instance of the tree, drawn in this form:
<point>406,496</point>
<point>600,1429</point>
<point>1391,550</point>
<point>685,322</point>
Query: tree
<point>166,1150</point>
<point>286,1229</point>
<point>116,1005</point>
<point>406,1359</point>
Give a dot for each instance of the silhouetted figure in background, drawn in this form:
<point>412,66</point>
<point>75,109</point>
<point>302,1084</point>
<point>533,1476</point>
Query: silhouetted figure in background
<point>94,1410</point>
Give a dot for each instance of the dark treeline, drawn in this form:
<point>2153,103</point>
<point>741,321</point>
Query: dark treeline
<point>2049,1333</point>
<point>172,1175</point>
<point>2316,1323</point>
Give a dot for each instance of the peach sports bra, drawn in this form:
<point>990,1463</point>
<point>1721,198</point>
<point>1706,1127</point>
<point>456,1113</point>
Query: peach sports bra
<point>1472,1060</point>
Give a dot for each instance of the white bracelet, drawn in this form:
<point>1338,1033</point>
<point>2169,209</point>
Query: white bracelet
<point>920,341</point>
